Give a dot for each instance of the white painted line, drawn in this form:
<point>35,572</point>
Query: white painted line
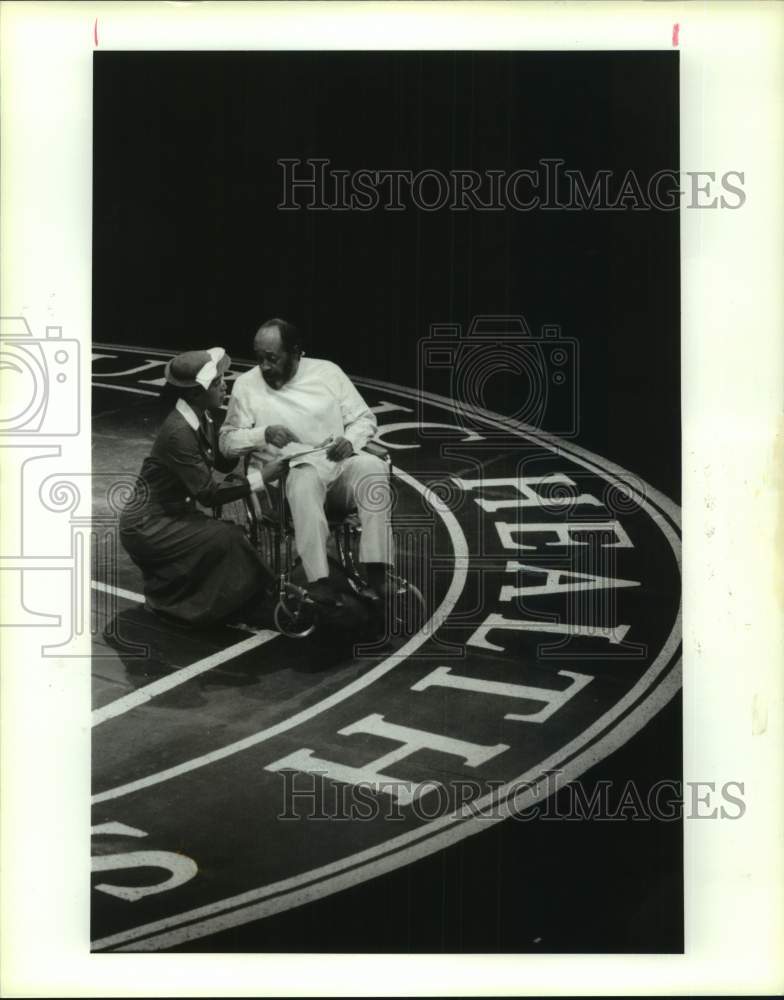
<point>125,388</point>
<point>132,349</point>
<point>257,638</point>
<point>150,691</point>
<point>129,595</point>
<point>440,615</point>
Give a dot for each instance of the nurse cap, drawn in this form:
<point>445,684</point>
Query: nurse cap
<point>194,368</point>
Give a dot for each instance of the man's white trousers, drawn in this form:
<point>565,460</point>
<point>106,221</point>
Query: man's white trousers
<point>363,483</point>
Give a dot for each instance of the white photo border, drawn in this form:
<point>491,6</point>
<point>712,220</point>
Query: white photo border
<point>732,76</point>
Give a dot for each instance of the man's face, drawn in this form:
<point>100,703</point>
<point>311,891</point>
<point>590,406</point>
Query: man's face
<point>277,365</point>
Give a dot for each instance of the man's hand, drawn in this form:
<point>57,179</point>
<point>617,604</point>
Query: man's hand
<point>279,436</point>
<point>341,449</point>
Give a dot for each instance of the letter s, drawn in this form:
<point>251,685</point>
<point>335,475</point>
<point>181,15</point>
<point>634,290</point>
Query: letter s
<point>181,868</point>
<point>733,799</point>
<point>731,187</point>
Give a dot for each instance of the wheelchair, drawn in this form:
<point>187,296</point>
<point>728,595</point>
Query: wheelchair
<point>296,614</point>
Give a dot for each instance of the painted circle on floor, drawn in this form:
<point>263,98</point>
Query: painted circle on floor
<point>552,581</point>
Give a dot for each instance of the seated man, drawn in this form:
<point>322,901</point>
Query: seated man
<point>290,402</point>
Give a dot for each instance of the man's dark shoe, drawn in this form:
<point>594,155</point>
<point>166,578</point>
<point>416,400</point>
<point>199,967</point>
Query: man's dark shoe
<point>322,592</point>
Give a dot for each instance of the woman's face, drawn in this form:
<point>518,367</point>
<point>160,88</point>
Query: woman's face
<point>216,393</point>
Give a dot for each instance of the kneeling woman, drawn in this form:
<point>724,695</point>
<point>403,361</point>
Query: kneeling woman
<point>197,570</point>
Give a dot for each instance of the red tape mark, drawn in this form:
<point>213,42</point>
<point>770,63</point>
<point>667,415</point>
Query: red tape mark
<point>675,29</point>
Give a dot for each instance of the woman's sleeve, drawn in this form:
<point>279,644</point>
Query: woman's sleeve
<point>185,459</point>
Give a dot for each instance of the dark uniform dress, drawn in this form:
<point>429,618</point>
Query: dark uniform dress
<point>197,570</point>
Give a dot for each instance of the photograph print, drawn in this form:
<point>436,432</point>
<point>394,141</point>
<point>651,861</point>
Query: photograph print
<point>387,467</point>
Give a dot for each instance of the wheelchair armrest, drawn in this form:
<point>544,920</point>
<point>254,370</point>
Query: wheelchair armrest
<point>374,448</point>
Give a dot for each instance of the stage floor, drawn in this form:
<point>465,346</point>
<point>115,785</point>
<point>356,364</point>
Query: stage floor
<point>231,804</point>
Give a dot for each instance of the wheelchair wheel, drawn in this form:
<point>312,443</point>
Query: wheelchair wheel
<point>408,605</point>
<point>295,618</point>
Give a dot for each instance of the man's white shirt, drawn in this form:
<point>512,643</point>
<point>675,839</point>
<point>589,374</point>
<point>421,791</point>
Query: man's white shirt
<point>319,402</point>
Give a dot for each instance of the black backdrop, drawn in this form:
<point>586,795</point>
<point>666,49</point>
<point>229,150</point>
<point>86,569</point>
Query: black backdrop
<point>190,250</point>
